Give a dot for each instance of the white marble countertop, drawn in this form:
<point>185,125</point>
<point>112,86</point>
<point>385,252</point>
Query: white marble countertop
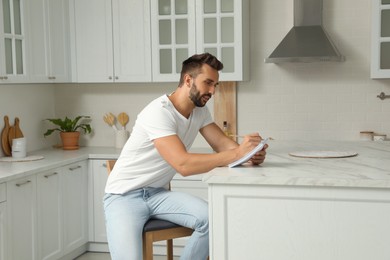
<point>369,169</point>
<point>53,158</point>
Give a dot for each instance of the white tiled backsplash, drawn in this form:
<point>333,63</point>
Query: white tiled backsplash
<point>327,101</point>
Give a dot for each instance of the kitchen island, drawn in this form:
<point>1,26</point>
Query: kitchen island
<point>303,208</point>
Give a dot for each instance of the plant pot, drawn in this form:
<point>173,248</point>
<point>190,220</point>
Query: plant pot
<point>70,140</point>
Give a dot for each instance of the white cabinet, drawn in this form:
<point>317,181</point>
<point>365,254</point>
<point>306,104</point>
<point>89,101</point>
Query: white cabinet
<point>46,214</point>
<point>3,226</point>
<point>380,39</point>
<point>75,207</point>
<point>183,28</point>
<point>99,177</point>
<point>62,210</point>
<point>49,40</point>
<point>111,40</point>
<point>21,218</point>
<point>12,42</point>
<point>49,219</point>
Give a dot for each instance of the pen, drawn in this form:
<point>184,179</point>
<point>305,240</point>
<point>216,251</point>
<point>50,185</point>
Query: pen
<point>242,136</point>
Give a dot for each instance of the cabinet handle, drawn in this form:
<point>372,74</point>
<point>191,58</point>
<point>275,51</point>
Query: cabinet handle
<point>116,77</point>
<point>22,183</point>
<point>4,77</point>
<point>49,175</point>
<point>109,77</point>
<point>52,77</point>
<point>104,165</point>
<point>74,168</point>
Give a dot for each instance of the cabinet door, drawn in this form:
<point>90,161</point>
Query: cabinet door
<point>48,41</point>
<point>92,32</point>
<point>3,235</point>
<point>74,190</point>
<point>99,175</point>
<point>12,42</point>
<point>173,37</point>
<point>380,39</point>
<point>49,219</point>
<point>57,22</point>
<point>222,30</point>
<point>21,205</point>
<point>131,31</point>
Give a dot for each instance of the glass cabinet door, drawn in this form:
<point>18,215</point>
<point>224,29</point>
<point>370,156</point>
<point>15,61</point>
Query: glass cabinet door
<point>385,35</point>
<point>220,32</point>
<point>380,53</point>
<point>173,33</point>
<point>13,40</point>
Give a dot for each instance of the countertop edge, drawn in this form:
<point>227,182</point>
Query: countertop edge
<point>53,158</point>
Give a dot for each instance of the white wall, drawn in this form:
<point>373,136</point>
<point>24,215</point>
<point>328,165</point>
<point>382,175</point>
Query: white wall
<point>32,104</point>
<point>333,101</point>
<point>314,100</point>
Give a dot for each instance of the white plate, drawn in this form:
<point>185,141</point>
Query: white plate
<point>323,154</point>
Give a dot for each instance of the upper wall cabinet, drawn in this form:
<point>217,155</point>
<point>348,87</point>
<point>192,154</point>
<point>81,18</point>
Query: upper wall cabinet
<point>49,40</point>
<point>110,41</point>
<point>380,44</point>
<point>12,42</point>
<point>181,28</point>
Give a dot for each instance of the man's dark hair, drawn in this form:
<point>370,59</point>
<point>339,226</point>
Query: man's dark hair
<point>193,65</point>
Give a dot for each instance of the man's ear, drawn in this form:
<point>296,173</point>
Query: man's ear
<point>187,80</point>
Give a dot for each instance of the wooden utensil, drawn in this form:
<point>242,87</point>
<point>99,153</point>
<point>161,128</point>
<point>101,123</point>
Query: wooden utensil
<point>18,131</point>
<point>14,132</point>
<point>4,137</point>
<point>123,119</point>
<point>110,120</point>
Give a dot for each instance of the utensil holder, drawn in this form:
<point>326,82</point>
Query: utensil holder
<point>121,138</point>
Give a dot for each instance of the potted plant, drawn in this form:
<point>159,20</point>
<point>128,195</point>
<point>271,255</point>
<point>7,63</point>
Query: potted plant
<point>68,129</point>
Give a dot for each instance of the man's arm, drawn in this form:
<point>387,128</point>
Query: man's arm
<point>220,142</point>
<point>174,152</point>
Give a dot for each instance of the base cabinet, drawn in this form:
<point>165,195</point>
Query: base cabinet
<point>21,218</point>
<point>99,176</point>
<point>3,245</point>
<point>75,208</point>
<point>47,214</point>
<point>296,222</point>
<point>49,219</point>
<point>3,226</point>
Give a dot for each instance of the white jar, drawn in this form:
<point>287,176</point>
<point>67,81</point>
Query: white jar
<point>19,147</point>
<point>366,135</point>
<point>379,137</point>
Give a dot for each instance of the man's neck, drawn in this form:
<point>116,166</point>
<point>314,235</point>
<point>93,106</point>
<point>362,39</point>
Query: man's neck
<point>181,102</point>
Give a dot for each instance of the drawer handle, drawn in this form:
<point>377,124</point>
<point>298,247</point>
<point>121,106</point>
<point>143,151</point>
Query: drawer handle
<point>74,168</point>
<point>22,183</point>
<point>51,174</point>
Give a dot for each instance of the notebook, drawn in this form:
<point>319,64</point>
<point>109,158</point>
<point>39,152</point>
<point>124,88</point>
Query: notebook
<point>249,155</point>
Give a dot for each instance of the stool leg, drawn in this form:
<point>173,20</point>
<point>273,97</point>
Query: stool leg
<point>147,245</point>
<point>169,249</point>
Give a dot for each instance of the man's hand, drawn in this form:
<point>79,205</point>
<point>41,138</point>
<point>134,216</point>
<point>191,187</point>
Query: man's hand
<point>251,141</point>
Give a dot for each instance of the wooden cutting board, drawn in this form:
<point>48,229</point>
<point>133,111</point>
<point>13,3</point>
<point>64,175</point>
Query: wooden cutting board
<point>4,137</point>
<point>14,132</point>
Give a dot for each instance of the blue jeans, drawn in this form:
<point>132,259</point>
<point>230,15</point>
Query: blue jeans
<point>126,215</point>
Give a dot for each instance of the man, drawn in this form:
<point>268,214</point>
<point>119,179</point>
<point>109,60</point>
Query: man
<point>157,149</point>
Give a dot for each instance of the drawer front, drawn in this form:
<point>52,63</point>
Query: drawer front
<point>2,192</point>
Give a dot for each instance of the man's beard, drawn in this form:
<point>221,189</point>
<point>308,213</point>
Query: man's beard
<point>196,98</point>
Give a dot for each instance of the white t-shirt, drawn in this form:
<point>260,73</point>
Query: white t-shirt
<point>139,164</point>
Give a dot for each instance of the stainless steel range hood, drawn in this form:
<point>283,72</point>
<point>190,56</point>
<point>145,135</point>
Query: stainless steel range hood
<point>307,41</point>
